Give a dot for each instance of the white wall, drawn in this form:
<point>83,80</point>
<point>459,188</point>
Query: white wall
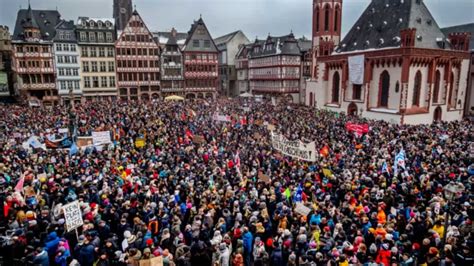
<point>393,97</point>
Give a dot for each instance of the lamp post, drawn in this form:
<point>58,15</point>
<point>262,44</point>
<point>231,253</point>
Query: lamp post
<point>451,191</point>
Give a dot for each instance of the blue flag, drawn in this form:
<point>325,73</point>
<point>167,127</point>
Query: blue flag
<point>73,150</point>
<point>385,168</point>
<point>299,194</point>
<point>399,161</point>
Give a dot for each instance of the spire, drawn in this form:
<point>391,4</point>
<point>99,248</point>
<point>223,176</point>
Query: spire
<point>30,18</point>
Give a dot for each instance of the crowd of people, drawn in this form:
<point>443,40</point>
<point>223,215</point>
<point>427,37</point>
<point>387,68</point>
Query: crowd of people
<point>195,193</point>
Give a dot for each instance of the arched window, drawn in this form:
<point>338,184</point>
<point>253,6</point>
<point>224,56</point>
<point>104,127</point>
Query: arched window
<point>417,89</point>
<point>336,18</point>
<point>326,18</point>
<point>316,23</point>
<point>451,90</point>
<point>311,98</point>
<point>436,87</point>
<point>335,87</point>
<point>384,89</point>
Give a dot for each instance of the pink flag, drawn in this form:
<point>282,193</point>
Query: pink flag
<point>19,185</point>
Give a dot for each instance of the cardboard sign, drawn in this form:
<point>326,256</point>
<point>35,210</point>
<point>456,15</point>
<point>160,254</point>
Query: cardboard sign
<point>199,139</point>
<point>139,143</point>
<point>295,149</point>
<point>301,209</point>
<point>257,136</point>
<point>156,261</point>
<point>73,215</point>
<point>270,127</point>
<point>84,141</point>
<point>101,137</point>
<point>265,178</point>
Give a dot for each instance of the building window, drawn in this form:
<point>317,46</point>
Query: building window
<point>68,35</point>
<point>74,59</point>
<point>195,43</point>
<point>111,66</point>
<point>59,47</point>
<point>384,89</point>
<point>61,71</point>
<point>335,87</point>
<point>85,66</point>
<point>94,66</point>
<point>92,36</point>
<point>336,18</point>
<point>75,72</point>
<point>76,85</point>
<point>67,59</point>
<point>73,47</point>
<point>68,72</point>
<point>62,85</point>
<point>451,95</point>
<point>326,18</point>
<point>316,23</point>
<point>100,36</point>
<point>417,89</point>
<point>103,67</point>
<point>207,43</point>
<point>66,47</point>
<point>108,37</point>
<point>356,92</point>
<point>112,81</point>
<point>83,36</point>
<point>103,82</point>
<point>95,82</point>
<point>84,52</point>
<point>110,52</point>
<point>93,52</point>
<point>436,86</point>
<point>60,59</point>
<point>101,52</point>
<point>87,82</point>
<point>47,64</point>
<point>70,85</point>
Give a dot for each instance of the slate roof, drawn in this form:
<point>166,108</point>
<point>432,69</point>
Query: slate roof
<point>462,28</point>
<point>380,24</point>
<point>66,26</point>
<point>45,20</point>
<point>226,38</point>
<point>244,51</point>
<point>305,44</point>
<point>286,45</point>
<point>165,37</point>
<point>192,35</point>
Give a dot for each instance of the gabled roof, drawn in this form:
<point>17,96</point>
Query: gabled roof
<point>45,20</point>
<point>199,32</point>
<point>286,45</point>
<point>66,26</point>
<point>305,44</point>
<point>380,24</point>
<point>244,51</point>
<point>226,38</point>
<point>461,28</point>
<point>163,37</point>
<point>128,29</point>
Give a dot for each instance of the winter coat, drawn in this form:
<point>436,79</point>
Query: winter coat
<point>41,259</point>
<point>247,242</point>
<point>276,258</point>
<point>52,242</point>
<point>384,257</point>
<point>86,255</point>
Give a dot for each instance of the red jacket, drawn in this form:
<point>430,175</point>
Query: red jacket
<point>384,257</point>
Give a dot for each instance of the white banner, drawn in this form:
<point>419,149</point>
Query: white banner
<point>221,118</point>
<point>101,137</point>
<point>296,149</point>
<point>356,69</point>
<point>73,216</point>
<point>63,130</point>
<point>301,209</point>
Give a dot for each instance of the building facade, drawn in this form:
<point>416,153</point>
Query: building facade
<point>6,74</point>
<point>138,62</point>
<point>242,68</point>
<point>200,63</point>
<point>33,60</point>
<point>122,13</point>
<point>469,28</point>
<point>228,46</point>
<point>67,62</point>
<point>172,67</point>
<point>395,64</point>
<point>275,68</point>
<point>96,40</point>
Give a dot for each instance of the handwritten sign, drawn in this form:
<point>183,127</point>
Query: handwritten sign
<point>84,141</point>
<point>101,137</point>
<point>199,139</point>
<point>301,209</point>
<point>295,149</point>
<point>73,216</point>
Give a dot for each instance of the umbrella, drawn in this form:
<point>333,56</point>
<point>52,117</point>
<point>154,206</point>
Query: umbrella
<point>174,98</point>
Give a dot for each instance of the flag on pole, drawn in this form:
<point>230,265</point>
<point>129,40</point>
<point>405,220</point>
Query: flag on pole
<point>385,168</point>
<point>73,150</point>
<point>299,194</point>
<point>399,161</point>
<point>287,193</point>
<point>20,184</point>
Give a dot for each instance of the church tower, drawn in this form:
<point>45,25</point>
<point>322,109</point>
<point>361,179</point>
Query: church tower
<point>122,12</point>
<point>327,17</point>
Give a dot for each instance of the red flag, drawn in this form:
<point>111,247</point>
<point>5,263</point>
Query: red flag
<point>183,116</point>
<point>237,160</point>
<point>359,129</point>
<point>324,151</point>
<point>189,134</point>
<point>243,120</point>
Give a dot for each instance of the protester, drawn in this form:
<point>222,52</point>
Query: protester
<point>176,184</point>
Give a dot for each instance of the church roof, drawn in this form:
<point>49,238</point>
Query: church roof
<point>44,20</point>
<point>380,24</point>
<point>462,28</point>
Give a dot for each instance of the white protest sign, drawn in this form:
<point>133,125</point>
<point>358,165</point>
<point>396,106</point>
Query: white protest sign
<point>221,118</point>
<point>63,130</point>
<point>101,137</point>
<point>296,149</point>
<point>73,215</point>
<point>301,209</point>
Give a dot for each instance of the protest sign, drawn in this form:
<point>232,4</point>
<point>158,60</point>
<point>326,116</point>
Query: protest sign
<point>296,149</point>
<point>140,143</point>
<point>257,136</point>
<point>270,127</point>
<point>221,118</point>
<point>73,215</point>
<point>199,139</point>
<point>301,209</point>
<point>63,130</point>
<point>84,141</point>
<point>265,178</point>
<point>101,137</point>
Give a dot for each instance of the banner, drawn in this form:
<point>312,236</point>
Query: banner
<point>63,130</point>
<point>356,69</point>
<point>73,215</point>
<point>359,129</point>
<point>296,149</point>
<point>84,142</point>
<point>221,118</point>
<point>101,137</point>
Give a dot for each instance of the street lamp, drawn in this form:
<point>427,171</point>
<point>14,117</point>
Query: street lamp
<point>451,191</point>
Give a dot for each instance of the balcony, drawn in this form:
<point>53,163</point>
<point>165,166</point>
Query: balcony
<point>33,55</point>
<point>172,65</point>
<point>276,89</point>
<point>169,77</point>
<point>200,75</point>
<point>138,83</point>
<point>200,62</point>
<point>138,69</point>
<point>34,70</point>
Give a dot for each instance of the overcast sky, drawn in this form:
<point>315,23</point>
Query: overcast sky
<point>254,17</point>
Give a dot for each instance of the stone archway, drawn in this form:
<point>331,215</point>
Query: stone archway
<point>352,109</point>
<point>200,95</point>
<point>145,97</point>
<point>191,96</point>
<point>438,113</point>
<point>209,95</point>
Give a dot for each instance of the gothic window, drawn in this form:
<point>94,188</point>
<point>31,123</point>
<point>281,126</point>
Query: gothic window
<point>451,90</point>
<point>335,87</point>
<point>326,18</point>
<point>436,86</point>
<point>316,25</point>
<point>336,18</point>
<point>417,89</point>
<point>356,92</point>
<point>384,89</point>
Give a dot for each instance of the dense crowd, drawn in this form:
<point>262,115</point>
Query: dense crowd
<point>194,194</point>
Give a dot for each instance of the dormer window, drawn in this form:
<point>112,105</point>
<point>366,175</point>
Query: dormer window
<point>99,24</point>
<point>107,24</point>
<point>84,23</point>
<point>91,24</point>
